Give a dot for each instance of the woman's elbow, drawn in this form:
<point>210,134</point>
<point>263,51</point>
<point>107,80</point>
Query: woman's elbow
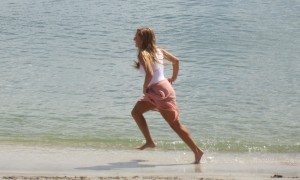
<point>175,62</point>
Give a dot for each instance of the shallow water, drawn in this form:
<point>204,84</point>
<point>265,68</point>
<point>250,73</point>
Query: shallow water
<point>66,75</point>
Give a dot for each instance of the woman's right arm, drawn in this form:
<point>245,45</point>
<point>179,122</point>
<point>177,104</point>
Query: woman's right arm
<point>175,63</point>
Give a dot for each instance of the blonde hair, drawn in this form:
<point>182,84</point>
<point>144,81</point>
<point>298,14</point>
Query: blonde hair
<point>148,50</point>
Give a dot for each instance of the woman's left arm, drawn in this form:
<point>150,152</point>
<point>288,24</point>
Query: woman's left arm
<point>148,72</point>
<point>175,63</point>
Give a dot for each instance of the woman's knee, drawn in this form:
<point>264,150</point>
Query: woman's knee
<point>175,124</point>
<point>140,108</point>
<point>179,128</point>
<point>134,112</point>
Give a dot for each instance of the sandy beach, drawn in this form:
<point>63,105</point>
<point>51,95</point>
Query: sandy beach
<point>24,162</point>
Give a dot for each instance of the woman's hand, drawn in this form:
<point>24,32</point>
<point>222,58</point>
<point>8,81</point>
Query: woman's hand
<point>171,80</point>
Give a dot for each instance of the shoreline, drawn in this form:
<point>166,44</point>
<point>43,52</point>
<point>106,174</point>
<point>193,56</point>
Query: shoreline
<point>20,162</point>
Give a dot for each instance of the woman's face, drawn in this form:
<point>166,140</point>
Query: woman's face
<point>138,41</point>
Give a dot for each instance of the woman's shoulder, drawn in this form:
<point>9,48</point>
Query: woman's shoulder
<point>167,55</point>
<point>162,50</point>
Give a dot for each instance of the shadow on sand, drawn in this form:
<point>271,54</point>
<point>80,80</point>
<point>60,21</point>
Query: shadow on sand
<point>134,164</point>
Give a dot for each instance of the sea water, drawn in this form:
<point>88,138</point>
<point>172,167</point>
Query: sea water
<point>66,77</point>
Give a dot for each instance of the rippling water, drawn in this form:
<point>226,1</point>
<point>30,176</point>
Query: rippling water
<point>66,75</point>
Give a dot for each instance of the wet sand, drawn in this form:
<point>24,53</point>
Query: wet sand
<point>23,162</point>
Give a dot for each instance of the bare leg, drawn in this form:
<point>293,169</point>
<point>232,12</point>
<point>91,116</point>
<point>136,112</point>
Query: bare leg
<point>137,113</point>
<point>184,134</point>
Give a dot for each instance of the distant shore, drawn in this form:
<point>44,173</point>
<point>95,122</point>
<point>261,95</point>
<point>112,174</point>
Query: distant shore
<point>24,162</point>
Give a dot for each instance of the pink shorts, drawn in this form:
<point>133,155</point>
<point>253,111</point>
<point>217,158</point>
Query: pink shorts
<point>163,97</point>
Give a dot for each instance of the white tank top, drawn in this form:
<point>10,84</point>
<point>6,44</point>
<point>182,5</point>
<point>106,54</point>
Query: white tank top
<point>158,69</point>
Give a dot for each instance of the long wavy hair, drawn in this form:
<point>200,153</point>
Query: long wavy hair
<point>148,49</point>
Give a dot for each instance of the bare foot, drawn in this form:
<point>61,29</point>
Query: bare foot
<point>198,156</point>
<point>147,145</point>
